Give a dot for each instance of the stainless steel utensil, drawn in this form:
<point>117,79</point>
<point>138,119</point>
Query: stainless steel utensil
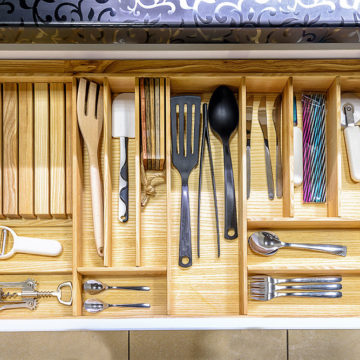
<point>259,287</point>
<point>249,112</point>
<point>268,295</point>
<point>28,290</point>
<point>313,279</point>
<point>276,116</point>
<point>95,306</point>
<point>267,243</point>
<point>30,304</point>
<point>263,124</point>
<point>95,287</point>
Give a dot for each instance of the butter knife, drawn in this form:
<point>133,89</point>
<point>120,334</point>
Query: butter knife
<point>249,111</point>
<point>276,116</point>
<point>263,124</point>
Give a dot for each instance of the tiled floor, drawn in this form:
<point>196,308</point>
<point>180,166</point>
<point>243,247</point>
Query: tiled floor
<point>184,345</point>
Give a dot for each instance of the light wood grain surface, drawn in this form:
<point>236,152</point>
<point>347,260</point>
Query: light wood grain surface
<point>42,149</point>
<point>10,151</point>
<point>26,153</point>
<point>212,286</point>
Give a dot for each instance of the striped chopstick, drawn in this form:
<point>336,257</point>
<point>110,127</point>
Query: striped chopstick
<point>314,152</point>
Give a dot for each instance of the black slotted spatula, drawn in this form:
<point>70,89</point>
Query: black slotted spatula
<point>185,134</point>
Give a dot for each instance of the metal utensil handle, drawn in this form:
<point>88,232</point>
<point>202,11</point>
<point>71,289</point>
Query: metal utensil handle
<point>318,294</point>
<point>279,178</point>
<point>309,287</point>
<point>248,171</point>
<point>319,279</point>
<point>331,249</point>
<point>231,231</point>
<point>269,174</point>
<point>130,305</point>
<point>123,181</point>
<point>137,288</point>
<point>185,251</point>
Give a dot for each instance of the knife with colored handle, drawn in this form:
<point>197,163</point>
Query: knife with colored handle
<point>123,127</point>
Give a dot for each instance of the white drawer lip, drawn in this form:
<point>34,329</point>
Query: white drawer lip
<point>182,51</point>
<point>218,323</point>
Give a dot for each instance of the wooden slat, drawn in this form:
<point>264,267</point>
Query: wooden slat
<point>168,195</point>
<point>1,148</point>
<point>26,153</point>
<point>68,145</point>
<point>162,121</point>
<point>124,271</point>
<point>137,175</point>
<point>288,149</point>
<point>57,150</point>
<point>77,178</point>
<point>41,150</point>
<point>333,135</point>
<point>10,151</point>
<point>107,175</point>
<point>242,215</point>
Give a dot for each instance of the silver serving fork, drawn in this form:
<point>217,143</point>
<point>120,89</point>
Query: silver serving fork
<point>259,288</point>
<point>314,279</point>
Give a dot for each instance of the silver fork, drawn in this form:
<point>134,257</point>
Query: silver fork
<point>268,295</point>
<point>314,279</point>
<point>258,288</point>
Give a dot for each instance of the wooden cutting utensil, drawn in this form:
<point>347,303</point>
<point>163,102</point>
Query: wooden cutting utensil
<point>91,118</point>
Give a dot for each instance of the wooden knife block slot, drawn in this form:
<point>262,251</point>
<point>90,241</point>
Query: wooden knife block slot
<point>144,251</point>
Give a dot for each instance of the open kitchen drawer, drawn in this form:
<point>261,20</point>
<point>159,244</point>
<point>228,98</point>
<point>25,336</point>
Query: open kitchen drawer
<point>144,251</point>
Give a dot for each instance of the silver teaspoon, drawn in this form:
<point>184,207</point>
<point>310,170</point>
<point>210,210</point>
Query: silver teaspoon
<point>95,287</point>
<point>95,306</point>
<point>267,243</point>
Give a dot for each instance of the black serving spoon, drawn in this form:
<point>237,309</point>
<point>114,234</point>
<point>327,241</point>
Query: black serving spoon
<point>223,119</point>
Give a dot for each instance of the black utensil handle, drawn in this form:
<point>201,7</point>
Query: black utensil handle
<point>123,181</point>
<point>185,252</point>
<point>231,231</point>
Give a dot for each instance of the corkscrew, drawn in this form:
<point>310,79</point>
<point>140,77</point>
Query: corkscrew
<point>28,291</point>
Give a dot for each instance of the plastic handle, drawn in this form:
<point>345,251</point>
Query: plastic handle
<point>352,138</point>
<point>185,251</point>
<point>35,246</point>
<point>123,181</point>
<point>231,231</point>
<point>298,157</point>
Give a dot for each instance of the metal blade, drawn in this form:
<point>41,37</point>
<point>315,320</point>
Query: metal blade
<point>262,117</point>
<point>276,115</point>
<point>123,115</point>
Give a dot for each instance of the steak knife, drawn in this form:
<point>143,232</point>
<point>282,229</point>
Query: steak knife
<point>276,116</point>
<point>263,124</point>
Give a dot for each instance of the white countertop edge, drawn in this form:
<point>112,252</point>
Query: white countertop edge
<point>179,51</point>
<point>222,323</point>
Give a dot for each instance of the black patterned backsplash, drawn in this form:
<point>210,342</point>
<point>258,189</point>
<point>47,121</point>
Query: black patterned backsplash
<point>179,21</point>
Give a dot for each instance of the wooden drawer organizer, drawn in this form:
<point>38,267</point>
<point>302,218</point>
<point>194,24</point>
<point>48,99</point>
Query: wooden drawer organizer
<point>144,251</point>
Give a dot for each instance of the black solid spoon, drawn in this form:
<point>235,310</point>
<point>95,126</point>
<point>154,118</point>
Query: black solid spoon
<point>223,119</point>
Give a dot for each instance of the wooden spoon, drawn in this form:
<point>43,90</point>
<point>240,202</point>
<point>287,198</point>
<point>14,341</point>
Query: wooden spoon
<point>90,119</point>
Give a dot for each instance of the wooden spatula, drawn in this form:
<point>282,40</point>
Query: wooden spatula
<point>91,118</point>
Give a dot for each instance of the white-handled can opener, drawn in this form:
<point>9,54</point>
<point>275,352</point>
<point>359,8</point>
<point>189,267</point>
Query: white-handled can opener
<point>26,245</point>
<point>352,139</point>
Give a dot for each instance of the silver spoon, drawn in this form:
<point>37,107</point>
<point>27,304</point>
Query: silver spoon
<point>267,243</point>
<point>95,306</point>
<point>95,287</point>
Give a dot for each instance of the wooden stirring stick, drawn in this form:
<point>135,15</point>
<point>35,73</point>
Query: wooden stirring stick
<point>91,124</point>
